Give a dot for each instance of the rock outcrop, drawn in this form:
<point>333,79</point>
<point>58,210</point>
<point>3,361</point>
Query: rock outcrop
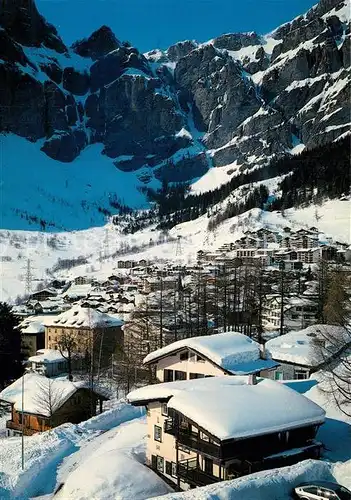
<point>240,97</point>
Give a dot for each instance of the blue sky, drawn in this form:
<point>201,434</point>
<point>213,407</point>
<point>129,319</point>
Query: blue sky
<point>149,24</point>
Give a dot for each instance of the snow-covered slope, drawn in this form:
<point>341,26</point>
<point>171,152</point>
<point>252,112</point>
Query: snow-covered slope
<point>99,120</point>
<point>98,244</point>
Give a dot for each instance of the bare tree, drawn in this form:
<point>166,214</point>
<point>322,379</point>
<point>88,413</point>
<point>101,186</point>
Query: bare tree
<point>67,345</point>
<point>48,398</point>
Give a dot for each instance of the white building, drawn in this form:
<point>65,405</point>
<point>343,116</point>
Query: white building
<point>299,312</point>
<point>229,353</point>
<point>203,431</point>
<point>303,352</point>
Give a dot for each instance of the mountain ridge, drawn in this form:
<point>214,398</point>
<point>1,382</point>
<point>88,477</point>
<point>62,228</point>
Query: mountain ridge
<point>170,116</point>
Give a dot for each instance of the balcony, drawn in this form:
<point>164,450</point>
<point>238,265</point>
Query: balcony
<point>190,472</point>
<point>18,427</point>
<point>192,440</point>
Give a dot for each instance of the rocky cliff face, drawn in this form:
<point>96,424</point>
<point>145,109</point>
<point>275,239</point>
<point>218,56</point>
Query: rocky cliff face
<point>239,97</point>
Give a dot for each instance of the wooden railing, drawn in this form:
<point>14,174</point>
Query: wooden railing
<point>192,440</point>
<point>190,472</point>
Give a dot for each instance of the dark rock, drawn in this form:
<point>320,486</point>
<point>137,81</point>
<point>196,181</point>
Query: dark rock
<point>76,82</point>
<point>346,52</point>
<point>22,103</point>
<point>260,63</point>
<point>64,146</point>
<point>95,112</point>
<point>55,116</point>
<point>136,116</point>
<point>219,93</point>
<point>289,102</point>
<point>80,138</point>
<point>185,170</point>
<point>107,69</point>
<point>294,69</point>
<point>72,115</point>
<point>335,26</point>
<point>165,75</point>
<point>236,41</point>
<point>22,21</point>
<point>297,36</point>
<point>53,70</point>
<point>100,43</point>
<point>132,164</point>
<point>325,6</point>
<point>11,51</point>
<point>180,49</point>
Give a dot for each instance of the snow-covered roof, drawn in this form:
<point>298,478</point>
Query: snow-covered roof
<point>37,389</point>
<point>34,324</point>
<point>232,351</point>
<point>46,356</point>
<point>78,290</point>
<point>84,317</point>
<point>231,408</point>
<point>300,347</point>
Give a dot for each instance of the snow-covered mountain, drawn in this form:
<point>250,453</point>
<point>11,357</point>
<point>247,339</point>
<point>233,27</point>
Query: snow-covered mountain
<point>85,128</point>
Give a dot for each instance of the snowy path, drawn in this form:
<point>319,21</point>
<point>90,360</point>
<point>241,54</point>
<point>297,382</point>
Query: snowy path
<point>100,458</point>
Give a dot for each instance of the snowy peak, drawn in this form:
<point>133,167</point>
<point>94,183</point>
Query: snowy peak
<point>169,116</point>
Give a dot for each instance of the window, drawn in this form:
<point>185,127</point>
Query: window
<point>169,468</point>
<point>300,374</point>
<point>192,356</point>
<point>160,464</point>
<point>179,375</point>
<point>41,422</point>
<point>310,489</point>
<point>158,433</point>
<point>183,356</point>
<point>278,375</point>
<point>20,418</point>
<point>168,376</point>
<point>204,437</point>
<point>164,409</point>
<point>196,375</point>
<point>174,469</point>
<point>199,358</point>
<point>49,337</point>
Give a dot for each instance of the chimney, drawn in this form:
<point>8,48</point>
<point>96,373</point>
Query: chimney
<point>252,379</point>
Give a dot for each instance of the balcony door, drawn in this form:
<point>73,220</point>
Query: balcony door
<point>208,465</point>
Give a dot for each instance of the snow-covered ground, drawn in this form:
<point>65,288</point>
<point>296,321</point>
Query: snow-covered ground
<point>331,217</point>
<point>100,458</point>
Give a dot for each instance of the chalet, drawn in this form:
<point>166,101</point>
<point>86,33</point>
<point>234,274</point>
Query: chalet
<point>82,280</point>
<point>301,353</point>
<point>328,252</point>
<point>156,284</point>
<point>229,353</point>
<point>47,403</point>
<point>89,327</point>
<point>209,430</point>
<point>126,264</point>
<point>292,265</point>
<point>299,312</point>
<point>44,294</point>
<point>76,292</point>
<point>49,363</point>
